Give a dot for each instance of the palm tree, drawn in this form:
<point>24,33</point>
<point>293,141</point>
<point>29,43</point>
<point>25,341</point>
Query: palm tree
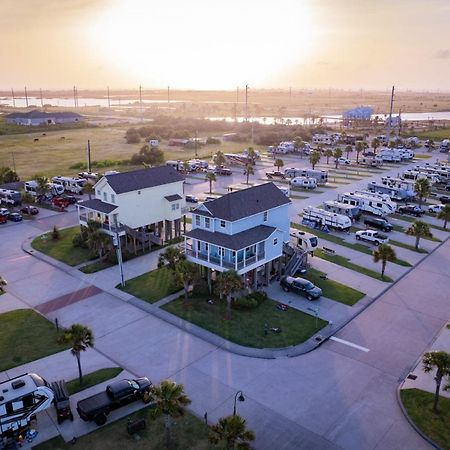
<point>328,154</point>
<point>375,144</point>
<point>186,167</point>
<point>278,163</point>
<point>359,148</point>
<point>186,273</point>
<point>88,189</point>
<point>348,149</point>
<point>171,256</point>
<point>441,362</point>
<point>444,214</point>
<point>384,253</point>
<point>336,155</point>
<point>233,432</point>
<point>210,177</point>
<point>42,186</point>
<point>98,242</point>
<point>422,188</point>
<point>219,159</point>
<point>227,283</point>
<point>248,171</point>
<point>80,338</point>
<point>252,155</point>
<point>170,402</point>
<point>314,158</point>
<point>419,229</point>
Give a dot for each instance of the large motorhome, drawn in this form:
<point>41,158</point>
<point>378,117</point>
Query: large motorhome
<point>74,185</point>
<point>389,155</point>
<point>394,193</point>
<point>342,208</point>
<point>369,202</point>
<point>326,139</point>
<point>9,197</point>
<point>326,218</point>
<point>415,175</point>
<point>54,189</point>
<point>20,399</point>
<point>441,171</point>
<point>321,176</point>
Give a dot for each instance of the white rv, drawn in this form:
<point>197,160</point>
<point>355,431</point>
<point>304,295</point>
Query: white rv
<point>369,202</point>
<point>20,399</point>
<point>74,185</point>
<point>321,176</point>
<point>326,218</point>
<point>303,182</point>
<point>342,208</point>
<point>323,139</point>
<point>371,161</point>
<point>54,189</point>
<point>394,192</point>
<point>9,197</point>
<point>398,183</point>
<point>389,155</point>
<point>415,175</point>
<point>306,241</point>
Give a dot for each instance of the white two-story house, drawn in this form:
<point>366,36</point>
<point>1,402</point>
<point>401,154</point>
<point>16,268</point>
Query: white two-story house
<point>243,230</point>
<point>146,204</point>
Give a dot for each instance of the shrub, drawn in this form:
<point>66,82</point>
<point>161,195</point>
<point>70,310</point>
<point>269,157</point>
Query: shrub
<point>55,233</point>
<point>245,303</point>
<point>79,240</point>
<point>259,296</point>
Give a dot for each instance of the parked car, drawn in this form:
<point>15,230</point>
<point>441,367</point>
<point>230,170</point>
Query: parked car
<point>444,199</point>
<point>275,174</point>
<point>60,202</point>
<point>31,210</point>
<point>70,198</point>
<point>371,236</point>
<point>411,209</point>
<point>119,393</point>
<point>223,171</point>
<point>301,286</point>
<point>343,161</point>
<point>434,209</point>
<point>381,224</point>
<point>4,212</point>
<point>191,199</point>
<point>3,219</point>
<point>15,217</point>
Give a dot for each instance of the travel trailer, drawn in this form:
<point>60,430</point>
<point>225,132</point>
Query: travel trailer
<point>371,161</point>
<point>389,155</point>
<point>54,189</point>
<point>308,242</point>
<point>368,202</point>
<point>304,182</point>
<point>9,197</point>
<point>74,185</point>
<point>398,183</point>
<point>326,218</point>
<point>323,139</point>
<point>415,175</point>
<point>321,176</point>
<point>394,193</point>
<point>341,208</point>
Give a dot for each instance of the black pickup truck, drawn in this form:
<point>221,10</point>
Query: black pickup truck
<point>117,394</point>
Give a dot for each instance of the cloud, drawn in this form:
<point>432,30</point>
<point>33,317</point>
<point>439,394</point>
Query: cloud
<point>442,54</point>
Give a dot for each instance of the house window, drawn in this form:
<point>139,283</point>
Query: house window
<point>265,216</point>
<point>275,241</point>
<point>113,198</point>
<point>222,223</point>
<point>98,192</point>
<point>197,220</point>
<point>221,251</point>
<point>207,222</point>
<point>175,206</point>
<point>105,198</point>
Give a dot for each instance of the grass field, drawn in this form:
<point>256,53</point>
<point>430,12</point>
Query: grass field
<point>419,406</point>
<point>436,135</point>
<point>92,379</point>
<point>26,336</point>
<point>332,289</point>
<point>407,246</point>
<point>153,286</point>
<point>247,327</point>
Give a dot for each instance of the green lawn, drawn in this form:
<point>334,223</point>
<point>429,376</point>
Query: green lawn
<point>419,406</point>
<point>153,286</point>
<point>413,219</point>
<point>344,262</point>
<point>247,327</point>
<point>92,379</point>
<point>26,336</point>
<point>332,289</point>
<point>62,249</point>
<point>407,246</point>
<point>188,433</point>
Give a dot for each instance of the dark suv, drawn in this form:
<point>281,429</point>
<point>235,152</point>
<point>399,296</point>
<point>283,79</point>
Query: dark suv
<point>301,286</point>
<point>411,209</point>
<point>381,224</point>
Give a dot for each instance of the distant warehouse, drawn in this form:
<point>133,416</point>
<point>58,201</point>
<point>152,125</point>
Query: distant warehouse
<point>36,117</point>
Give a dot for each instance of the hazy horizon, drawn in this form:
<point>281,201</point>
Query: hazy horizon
<point>200,45</point>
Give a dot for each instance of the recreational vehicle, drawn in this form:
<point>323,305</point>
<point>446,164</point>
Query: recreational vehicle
<point>54,189</point>
<point>74,185</point>
<point>389,155</point>
<point>177,165</point>
<point>304,182</point>
<point>394,193</point>
<point>9,197</point>
<point>323,139</point>
<point>415,175</point>
<point>321,176</point>
<point>308,242</point>
<point>371,161</point>
<point>368,203</point>
<point>326,218</point>
<point>342,208</point>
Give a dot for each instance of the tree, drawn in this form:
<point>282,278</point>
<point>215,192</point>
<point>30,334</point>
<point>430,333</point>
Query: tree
<point>186,167</point>
<point>3,283</point>
<point>441,362</point>
<point>151,156</point>
<point>328,154</point>
<point>27,198</point>
<point>336,155</point>
<point>7,175</point>
<point>80,338</point>
<point>186,273</point>
<point>99,242</point>
<point>314,158</point>
<point>348,150</point>
<point>419,229</point>
<point>444,214</point>
<point>88,189</point>
<point>132,136</point>
<point>42,186</point>
<point>423,188</point>
<point>172,256</point>
<point>375,144</point>
<point>170,402</point>
<point>219,159</point>
<point>278,163</point>
<point>248,171</point>
<point>227,283</point>
<point>359,148</point>
<point>233,432</point>
<point>210,177</point>
<point>252,155</point>
<point>384,253</point>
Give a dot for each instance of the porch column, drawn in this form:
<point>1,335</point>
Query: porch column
<point>185,245</point>
<point>255,279</point>
<point>221,256</point>
<point>209,280</point>
<point>245,257</point>
<point>235,261</point>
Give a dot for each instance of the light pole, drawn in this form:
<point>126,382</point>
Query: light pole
<point>239,395</point>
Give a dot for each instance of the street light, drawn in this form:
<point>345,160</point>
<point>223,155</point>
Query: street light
<point>239,395</point>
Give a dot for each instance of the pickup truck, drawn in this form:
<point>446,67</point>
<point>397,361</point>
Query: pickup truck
<point>98,406</point>
<point>60,202</point>
<point>371,236</point>
<point>275,174</point>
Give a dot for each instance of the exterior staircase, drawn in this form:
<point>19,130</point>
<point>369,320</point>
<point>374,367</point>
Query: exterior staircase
<point>297,260</point>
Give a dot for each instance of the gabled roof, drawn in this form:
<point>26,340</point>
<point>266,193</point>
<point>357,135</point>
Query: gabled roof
<point>142,179</point>
<point>233,241</point>
<point>173,198</point>
<point>36,114</point>
<point>247,202</point>
<point>97,205</point>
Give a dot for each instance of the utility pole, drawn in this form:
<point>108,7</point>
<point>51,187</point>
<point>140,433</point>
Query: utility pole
<point>195,142</point>
<point>140,101</point>
<point>88,150</point>
<point>13,161</point>
<point>246,102</point>
<point>26,96</point>
<point>237,94</point>
<point>168,95</point>
<point>13,98</point>
<point>109,99</point>
<point>119,250</point>
<point>390,116</point>
<point>42,101</point>
<point>290,93</point>
<point>75,96</point>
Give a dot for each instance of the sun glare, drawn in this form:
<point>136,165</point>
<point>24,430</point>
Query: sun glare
<point>203,44</point>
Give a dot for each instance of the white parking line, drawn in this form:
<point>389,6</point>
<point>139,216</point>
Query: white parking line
<point>350,344</point>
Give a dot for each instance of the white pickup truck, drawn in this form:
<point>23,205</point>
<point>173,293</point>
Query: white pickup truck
<point>371,236</point>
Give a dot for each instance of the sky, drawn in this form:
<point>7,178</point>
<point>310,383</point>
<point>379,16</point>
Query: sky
<point>210,44</point>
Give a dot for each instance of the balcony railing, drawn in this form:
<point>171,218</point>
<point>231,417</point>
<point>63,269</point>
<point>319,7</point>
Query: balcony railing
<point>225,263</point>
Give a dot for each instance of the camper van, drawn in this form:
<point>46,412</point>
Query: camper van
<point>54,189</point>
<point>321,176</point>
<point>9,197</point>
<point>326,218</point>
<point>74,185</point>
<point>341,208</point>
<point>369,202</point>
<point>20,399</point>
<point>303,182</point>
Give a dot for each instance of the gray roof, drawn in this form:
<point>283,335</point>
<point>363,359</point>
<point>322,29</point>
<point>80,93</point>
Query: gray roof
<point>172,198</point>
<point>97,205</point>
<point>142,179</point>
<point>245,203</point>
<point>234,241</point>
<point>36,114</point>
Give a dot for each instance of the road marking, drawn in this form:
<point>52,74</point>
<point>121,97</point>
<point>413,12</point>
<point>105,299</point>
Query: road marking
<point>350,344</point>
